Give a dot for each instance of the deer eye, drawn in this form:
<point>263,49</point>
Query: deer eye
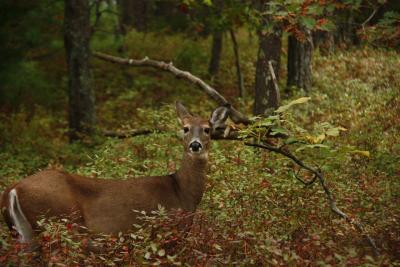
<point>207,130</point>
<point>185,129</point>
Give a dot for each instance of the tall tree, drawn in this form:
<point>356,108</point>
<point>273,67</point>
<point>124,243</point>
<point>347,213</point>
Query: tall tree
<point>269,51</point>
<point>216,50</point>
<point>217,37</point>
<point>300,51</point>
<point>239,75</point>
<point>77,33</point>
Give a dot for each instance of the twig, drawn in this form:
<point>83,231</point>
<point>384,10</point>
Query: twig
<point>369,18</point>
<point>331,200</point>
<point>235,115</point>
<point>306,183</point>
<point>275,81</point>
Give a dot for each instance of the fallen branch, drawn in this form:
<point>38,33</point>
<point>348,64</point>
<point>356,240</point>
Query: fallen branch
<point>233,134</point>
<point>331,200</point>
<point>129,133</point>
<point>235,115</point>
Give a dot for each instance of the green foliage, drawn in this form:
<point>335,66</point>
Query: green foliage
<point>254,211</point>
<point>386,32</point>
<point>29,31</point>
<point>190,56</point>
<point>34,88</point>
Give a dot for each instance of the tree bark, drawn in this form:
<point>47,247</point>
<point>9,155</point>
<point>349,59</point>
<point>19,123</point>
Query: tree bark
<point>215,53</point>
<point>346,32</point>
<point>266,95</point>
<point>299,62</point>
<point>77,33</point>
<point>237,63</point>
<point>324,41</point>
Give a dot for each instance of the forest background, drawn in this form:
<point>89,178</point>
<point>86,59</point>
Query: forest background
<point>318,79</point>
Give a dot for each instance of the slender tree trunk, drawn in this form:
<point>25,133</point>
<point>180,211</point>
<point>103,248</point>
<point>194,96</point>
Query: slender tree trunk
<point>346,32</point>
<point>133,13</point>
<point>215,53</point>
<point>324,41</point>
<point>266,93</point>
<point>81,96</point>
<point>299,62</point>
<point>237,63</point>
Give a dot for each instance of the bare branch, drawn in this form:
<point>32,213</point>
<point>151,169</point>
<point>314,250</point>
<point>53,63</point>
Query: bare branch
<point>235,115</point>
<point>233,134</point>
<point>331,199</point>
<point>306,183</point>
<point>369,18</point>
<point>274,80</point>
<point>130,133</point>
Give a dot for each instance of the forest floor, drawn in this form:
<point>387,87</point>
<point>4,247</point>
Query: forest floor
<point>254,211</point>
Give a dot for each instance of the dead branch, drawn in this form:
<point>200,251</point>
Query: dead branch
<point>369,18</point>
<point>331,199</point>
<point>130,133</point>
<point>274,80</point>
<point>219,135</point>
<point>306,183</point>
<point>235,115</point>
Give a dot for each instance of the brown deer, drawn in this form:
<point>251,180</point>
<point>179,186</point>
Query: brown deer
<point>107,206</point>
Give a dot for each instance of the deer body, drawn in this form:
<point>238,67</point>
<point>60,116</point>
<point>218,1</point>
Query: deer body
<point>105,205</point>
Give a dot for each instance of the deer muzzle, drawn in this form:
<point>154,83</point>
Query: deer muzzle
<point>195,146</point>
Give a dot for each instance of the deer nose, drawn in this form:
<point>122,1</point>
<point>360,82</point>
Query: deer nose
<point>195,146</point>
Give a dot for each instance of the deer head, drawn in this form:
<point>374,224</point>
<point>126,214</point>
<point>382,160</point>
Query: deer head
<point>54,193</point>
<point>197,131</point>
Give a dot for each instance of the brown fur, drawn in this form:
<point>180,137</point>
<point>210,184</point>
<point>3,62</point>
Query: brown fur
<point>107,206</point>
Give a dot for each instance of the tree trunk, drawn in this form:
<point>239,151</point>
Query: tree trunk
<point>215,53</point>
<point>346,32</point>
<point>76,41</point>
<point>237,63</point>
<point>266,93</point>
<point>133,13</point>
<point>324,41</point>
<point>299,62</point>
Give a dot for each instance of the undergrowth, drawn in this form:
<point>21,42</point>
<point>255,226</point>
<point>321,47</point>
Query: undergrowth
<point>254,212</point>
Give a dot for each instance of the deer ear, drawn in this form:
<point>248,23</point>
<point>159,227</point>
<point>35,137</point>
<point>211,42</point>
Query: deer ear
<point>219,116</point>
<point>181,111</point>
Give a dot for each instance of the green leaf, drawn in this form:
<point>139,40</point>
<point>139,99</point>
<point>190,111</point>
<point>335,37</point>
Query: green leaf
<point>275,131</point>
<point>147,256</point>
<point>362,153</point>
<point>301,100</point>
<point>218,247</point>
<point>328,26</point>
<point>311,146</point>
<point>335,131</point>
<point>161,253</point>
<point>291,140</point>
<point>309,22</point>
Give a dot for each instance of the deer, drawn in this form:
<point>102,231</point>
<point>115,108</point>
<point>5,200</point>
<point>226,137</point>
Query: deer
<point>108,205</point>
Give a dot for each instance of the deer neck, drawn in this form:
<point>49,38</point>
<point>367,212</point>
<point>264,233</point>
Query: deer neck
<point>191,179</point>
